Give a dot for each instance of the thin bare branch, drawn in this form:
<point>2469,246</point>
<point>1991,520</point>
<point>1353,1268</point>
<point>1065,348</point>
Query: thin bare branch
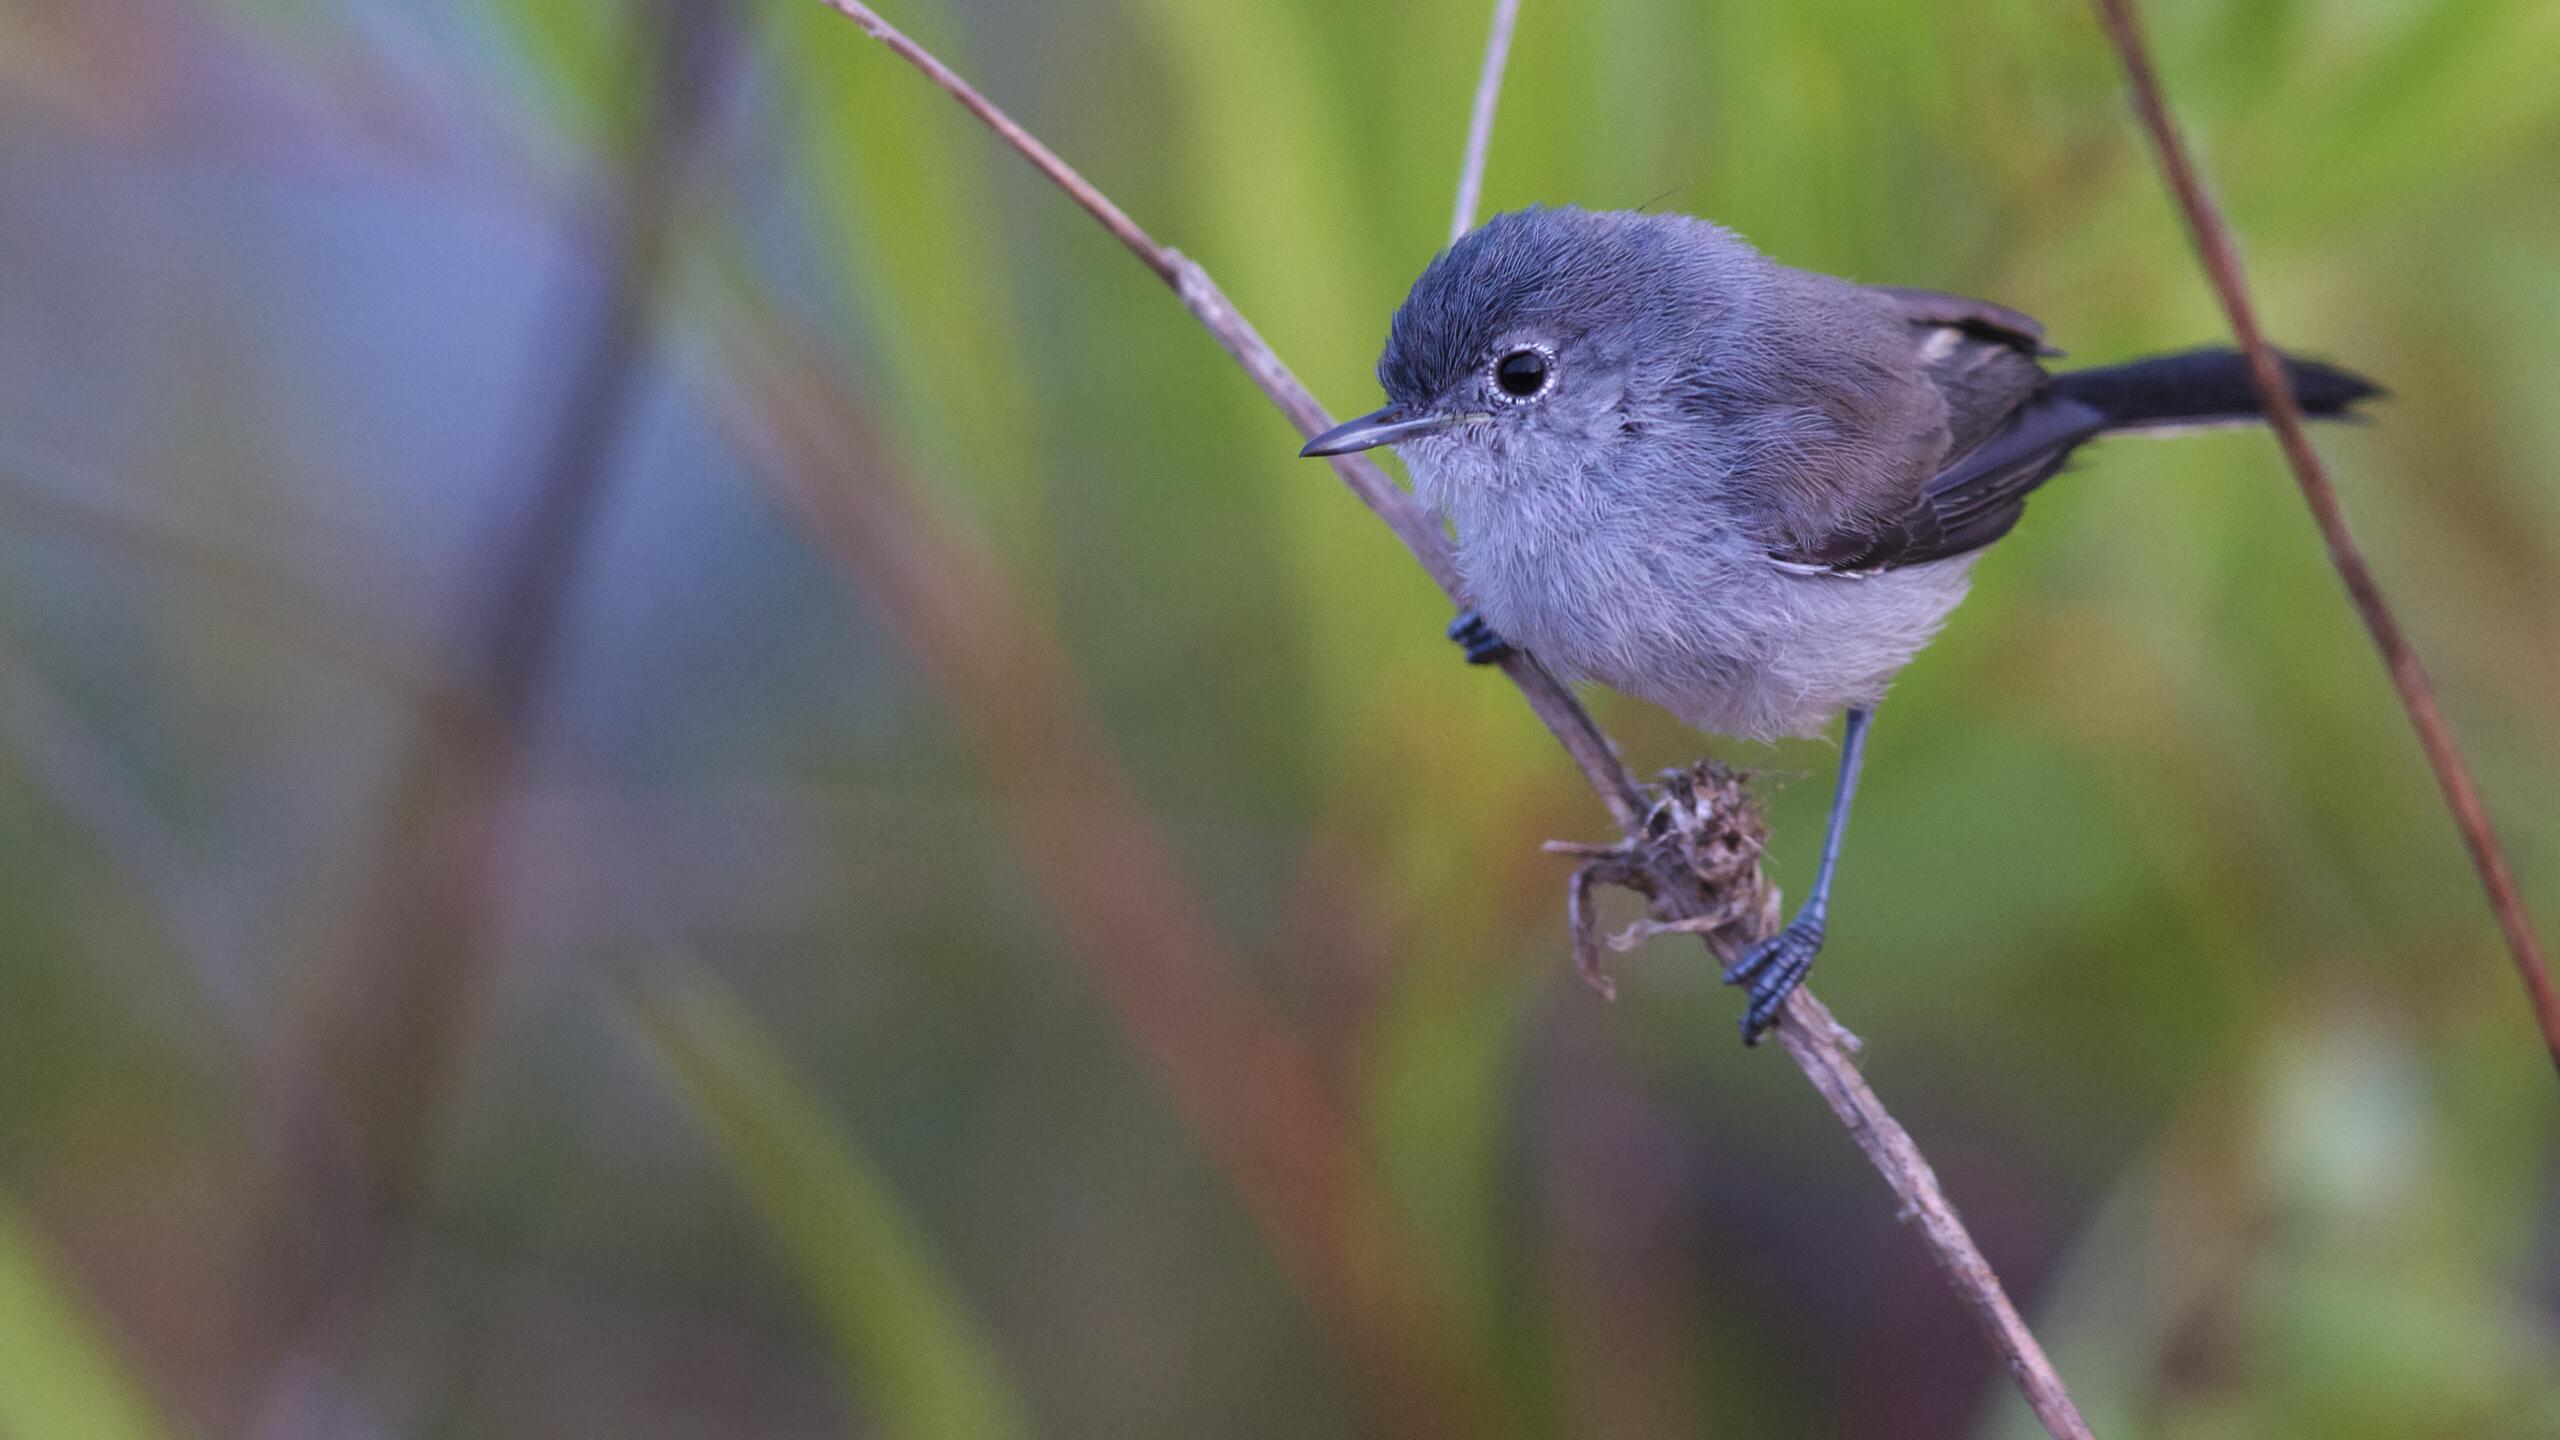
<point>1818,1044</point>
<point>1497,56</point>
<point>1042,158</point>
<point>1822,1047</point>
<point>2214,246</point>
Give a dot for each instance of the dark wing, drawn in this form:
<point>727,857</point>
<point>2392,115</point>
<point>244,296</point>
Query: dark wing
<point>2007,434</point>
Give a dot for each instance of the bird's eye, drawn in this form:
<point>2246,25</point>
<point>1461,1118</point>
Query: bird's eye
<point>1522,373</point>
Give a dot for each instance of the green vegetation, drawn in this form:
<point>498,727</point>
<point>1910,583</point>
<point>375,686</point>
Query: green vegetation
<point>962,1119</point>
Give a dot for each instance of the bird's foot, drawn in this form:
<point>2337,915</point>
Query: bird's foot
<point>1774,968</point>
<point>1478,639</point>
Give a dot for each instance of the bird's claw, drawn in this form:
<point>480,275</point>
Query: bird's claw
<point>1482,644</point>
<point>1773,969</point>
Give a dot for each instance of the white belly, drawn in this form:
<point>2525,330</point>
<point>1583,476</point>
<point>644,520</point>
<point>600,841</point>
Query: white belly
<point>1706,626</point>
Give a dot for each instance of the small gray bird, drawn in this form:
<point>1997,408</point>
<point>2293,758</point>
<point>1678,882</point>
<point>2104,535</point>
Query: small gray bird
<point>1747,493</point>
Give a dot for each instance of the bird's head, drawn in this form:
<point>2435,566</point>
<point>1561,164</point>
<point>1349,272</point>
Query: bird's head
<point>1544,340</point>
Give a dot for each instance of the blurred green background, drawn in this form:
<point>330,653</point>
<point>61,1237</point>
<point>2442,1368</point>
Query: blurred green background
<point>675,760</point>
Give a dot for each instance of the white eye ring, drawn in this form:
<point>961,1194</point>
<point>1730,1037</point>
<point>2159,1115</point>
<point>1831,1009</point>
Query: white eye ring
<point>1533,365</point>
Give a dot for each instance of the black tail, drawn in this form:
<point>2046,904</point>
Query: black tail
<point>2205,387</point>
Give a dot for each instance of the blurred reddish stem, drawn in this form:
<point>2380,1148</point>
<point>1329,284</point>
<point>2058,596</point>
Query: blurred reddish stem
<point>2221,257</point>
<point>361,1109</point>
<point>1249,1088</point>
<point>1816,1042</point>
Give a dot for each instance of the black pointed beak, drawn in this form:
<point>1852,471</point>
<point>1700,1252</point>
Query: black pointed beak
<point>1378,427</point>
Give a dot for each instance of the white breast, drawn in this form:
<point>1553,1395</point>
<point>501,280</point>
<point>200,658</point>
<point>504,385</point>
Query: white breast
<point>1689,613</point>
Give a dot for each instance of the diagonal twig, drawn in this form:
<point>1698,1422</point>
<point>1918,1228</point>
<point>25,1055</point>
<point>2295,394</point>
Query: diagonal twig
<point>1497,58</point>
<point>1816,1042</point>
<point>1547,696</point>
<point>2221,257</point>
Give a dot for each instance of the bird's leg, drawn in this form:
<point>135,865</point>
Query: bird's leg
<point>1775,967</point>
<point>1478,639</point>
